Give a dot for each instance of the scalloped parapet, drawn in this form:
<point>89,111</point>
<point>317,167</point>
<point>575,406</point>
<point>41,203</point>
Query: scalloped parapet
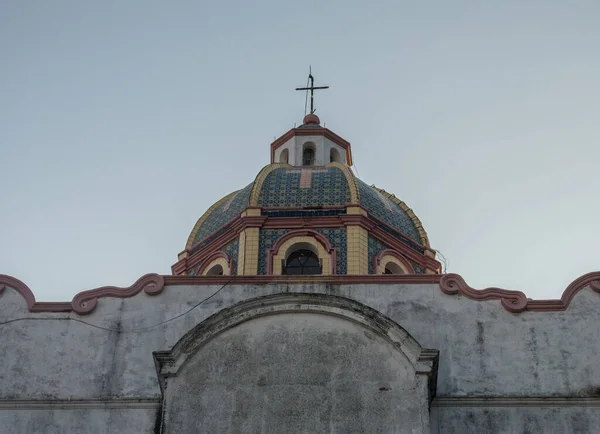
<point>451,284</point>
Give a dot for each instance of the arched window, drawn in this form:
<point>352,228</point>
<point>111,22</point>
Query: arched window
<point>284,156</point>
<point>216,270</point>
<point>308,154</point>
<point>393,268</point>
<point>302,261</point>
<point>334,155</point>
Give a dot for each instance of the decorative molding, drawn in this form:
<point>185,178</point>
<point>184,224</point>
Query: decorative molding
<point>86,301</point>
<point>321,239</point>
<point>72,404</point>
<point>403,262</point>
<point>20,287</point>
<point>514,401</point>
<point>451,284</point>
<point>210,261</point>
<point>517,301</point>
<point>231,230</point>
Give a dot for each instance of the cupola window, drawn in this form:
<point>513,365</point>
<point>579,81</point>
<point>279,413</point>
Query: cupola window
<point>217,270</point>
<point>308,155</point>
<point>393,268</point>
<point>302,262</point>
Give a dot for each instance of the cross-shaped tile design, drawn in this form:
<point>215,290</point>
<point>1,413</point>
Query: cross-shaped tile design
<point>306,175</point>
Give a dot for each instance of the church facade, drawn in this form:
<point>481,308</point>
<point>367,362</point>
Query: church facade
<point>305,302</point>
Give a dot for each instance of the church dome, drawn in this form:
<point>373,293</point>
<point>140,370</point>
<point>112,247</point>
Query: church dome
<point>284,190</point>
<point>308,199</point>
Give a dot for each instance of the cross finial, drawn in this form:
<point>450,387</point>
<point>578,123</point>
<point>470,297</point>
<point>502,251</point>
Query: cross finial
<point>312,89</point>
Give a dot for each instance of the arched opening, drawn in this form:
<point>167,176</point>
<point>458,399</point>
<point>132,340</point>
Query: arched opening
<point>308,154</point>
<point>329,335</point>
<point>284,156</point>
<point>393,268</point>
<point>301,259</point>
<point>216,270</point>
<point>334,155</point>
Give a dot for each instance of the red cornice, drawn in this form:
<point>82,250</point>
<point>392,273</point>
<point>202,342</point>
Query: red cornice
<point>312,132</point>
<point>86,301</point>
<point>516,301</point>
<point>240,223</point>
<point>153,284</point>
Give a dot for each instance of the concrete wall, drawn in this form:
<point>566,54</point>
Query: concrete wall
<point>485,351</point>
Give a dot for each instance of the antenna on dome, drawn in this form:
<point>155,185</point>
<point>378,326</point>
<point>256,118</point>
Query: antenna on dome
<point>312,89</point>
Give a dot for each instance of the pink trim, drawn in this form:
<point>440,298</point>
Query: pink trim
<point>211,258</point>
<point>301,233</point>
<point>19,286</point>
<point>338,279</point>
<point>516,301</point>
<point>86,301</point>
<point>368,222</point>
<point>153,284</point>
<point>395,254</point>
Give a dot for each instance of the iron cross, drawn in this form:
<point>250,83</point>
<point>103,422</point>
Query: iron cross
<point>312,89</point>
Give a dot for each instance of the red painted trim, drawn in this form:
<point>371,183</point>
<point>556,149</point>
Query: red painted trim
<point>212,257</point>
<point>240,223</point>
<point>86,301</point>
<point>19,286</point>
<point>394,243</point>
<point>306,208</point>
<point>153,284</point>
<point>301,233</point>
<point>313,132</point>
<point>395,254</point>
<point>338,279</point>
<point>516,301</point>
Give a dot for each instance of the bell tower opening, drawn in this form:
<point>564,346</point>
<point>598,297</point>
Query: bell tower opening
<point>308,154</point>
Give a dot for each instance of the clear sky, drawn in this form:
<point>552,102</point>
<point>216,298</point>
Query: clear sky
<point>123,121</point>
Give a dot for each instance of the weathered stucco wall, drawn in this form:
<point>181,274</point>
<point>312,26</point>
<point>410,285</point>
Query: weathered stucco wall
<point>288,372</point>
<point>484,351</point>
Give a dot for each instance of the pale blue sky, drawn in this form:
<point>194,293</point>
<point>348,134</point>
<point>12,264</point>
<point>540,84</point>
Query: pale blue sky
<point>123,121</point>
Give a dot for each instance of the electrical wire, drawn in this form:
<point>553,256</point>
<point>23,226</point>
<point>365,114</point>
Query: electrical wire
<point>121,331</point>
<point>445,262</point>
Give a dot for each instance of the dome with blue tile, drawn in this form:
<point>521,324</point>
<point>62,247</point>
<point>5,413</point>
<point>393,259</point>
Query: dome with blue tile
<point>309,187</point>
<point>286,188</point>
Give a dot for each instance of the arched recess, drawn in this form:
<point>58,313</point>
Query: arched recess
<point>302,239</point>
<point>388,256</point>
<point>326,357</point>
<point>217,259</point>
<point>284,156</point>
<point>334,156</point>
<point>309,151</point>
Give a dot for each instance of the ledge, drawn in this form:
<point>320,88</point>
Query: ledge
<point>451,284</point>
